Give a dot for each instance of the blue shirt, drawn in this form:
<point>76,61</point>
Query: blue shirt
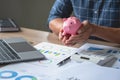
<point>100,12</point>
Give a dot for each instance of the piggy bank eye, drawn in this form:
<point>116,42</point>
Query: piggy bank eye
<point>71,23</point>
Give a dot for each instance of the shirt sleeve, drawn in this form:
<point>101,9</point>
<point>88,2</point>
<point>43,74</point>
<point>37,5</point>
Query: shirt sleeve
<point>60,9</point>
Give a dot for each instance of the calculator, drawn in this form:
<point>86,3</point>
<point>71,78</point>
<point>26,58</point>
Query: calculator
<point>100,57</point>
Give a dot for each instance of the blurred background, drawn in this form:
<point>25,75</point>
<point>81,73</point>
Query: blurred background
<point>27,13</point>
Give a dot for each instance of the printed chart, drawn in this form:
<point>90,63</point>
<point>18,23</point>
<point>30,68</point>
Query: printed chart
<point>24,71</point>
<point>54,53</point>
<point>8,74</point>
<point>111,50</point>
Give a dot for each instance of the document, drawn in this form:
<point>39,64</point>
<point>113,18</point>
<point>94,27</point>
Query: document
<point>108,49</point>
<point>45,70</point>
<point>54,53</point>
<point>25,71</point>
<point>88,71</point>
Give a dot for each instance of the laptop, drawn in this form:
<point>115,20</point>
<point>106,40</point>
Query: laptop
<point>17,49</point>
<point>8,25</point>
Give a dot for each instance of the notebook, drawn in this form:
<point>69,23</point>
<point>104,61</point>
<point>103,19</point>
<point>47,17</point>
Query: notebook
<point>17,49</point>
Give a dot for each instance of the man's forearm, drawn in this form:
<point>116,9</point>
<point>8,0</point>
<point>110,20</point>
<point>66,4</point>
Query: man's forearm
<point>109,34</point>
<point>55,25</point>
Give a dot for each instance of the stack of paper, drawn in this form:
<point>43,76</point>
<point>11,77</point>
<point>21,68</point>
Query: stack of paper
<point>42,70</point>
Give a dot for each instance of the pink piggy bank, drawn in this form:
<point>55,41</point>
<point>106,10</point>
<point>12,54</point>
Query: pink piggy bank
<point>71,26</point>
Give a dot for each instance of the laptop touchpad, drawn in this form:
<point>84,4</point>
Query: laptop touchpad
<point>22,47</point>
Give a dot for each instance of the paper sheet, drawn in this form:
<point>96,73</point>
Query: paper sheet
<point>88,71</point>
<point>54,53</point>
<point>24,71</point>
<point>31,71</point>
<point>111,50</point>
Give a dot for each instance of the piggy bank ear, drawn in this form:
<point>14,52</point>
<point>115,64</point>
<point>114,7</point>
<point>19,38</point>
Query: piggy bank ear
<point>64,19</point>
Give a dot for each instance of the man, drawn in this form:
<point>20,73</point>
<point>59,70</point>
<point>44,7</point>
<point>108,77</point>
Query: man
<point>100,18</point>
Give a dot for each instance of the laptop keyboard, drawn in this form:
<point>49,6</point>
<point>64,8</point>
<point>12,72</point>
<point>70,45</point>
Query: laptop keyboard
<point>6,53</point>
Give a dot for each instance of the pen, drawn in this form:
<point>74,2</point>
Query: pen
<point>64,61</point>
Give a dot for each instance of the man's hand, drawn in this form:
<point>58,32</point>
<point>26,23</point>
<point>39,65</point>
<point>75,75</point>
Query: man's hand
<point>83,34</point>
